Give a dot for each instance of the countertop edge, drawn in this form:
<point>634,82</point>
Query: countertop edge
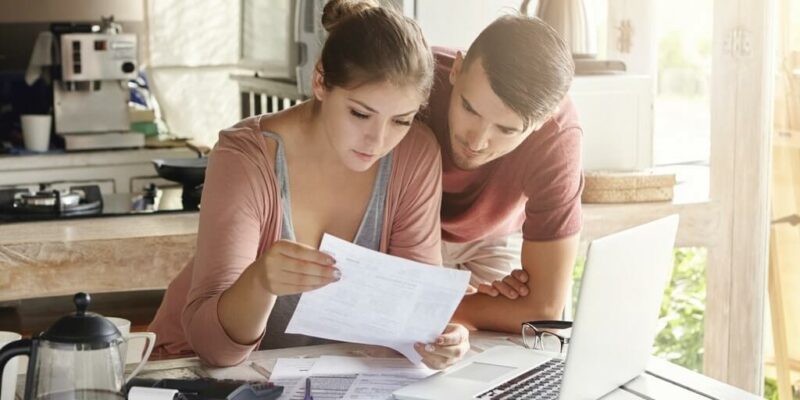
<point>106,228</point>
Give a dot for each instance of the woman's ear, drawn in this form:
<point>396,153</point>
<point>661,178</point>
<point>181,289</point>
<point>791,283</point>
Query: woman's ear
<point>456,69</point>
<point>318,87</point>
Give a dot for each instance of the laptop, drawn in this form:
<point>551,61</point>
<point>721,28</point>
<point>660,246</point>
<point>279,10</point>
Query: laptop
<point>616,320</point>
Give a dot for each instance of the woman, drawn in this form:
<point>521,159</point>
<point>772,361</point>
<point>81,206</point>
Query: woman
<point>351,162</point>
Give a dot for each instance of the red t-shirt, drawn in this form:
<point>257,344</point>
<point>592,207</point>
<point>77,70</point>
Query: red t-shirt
<point>537,186</point>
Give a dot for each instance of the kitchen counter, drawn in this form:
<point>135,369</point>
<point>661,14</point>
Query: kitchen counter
<point>143,252</point>
<point>126,253</point>
<point>107,228</point>
<point>10,163</point>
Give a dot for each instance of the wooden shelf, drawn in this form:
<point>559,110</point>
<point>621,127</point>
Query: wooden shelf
<point>699,215</point>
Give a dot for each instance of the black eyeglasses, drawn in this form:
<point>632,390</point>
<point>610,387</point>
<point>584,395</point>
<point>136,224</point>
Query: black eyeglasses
<point>535,336</point>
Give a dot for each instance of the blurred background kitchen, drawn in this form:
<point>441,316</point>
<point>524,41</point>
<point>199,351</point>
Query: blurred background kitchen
<point>108,109</point>
<point>106,87</point>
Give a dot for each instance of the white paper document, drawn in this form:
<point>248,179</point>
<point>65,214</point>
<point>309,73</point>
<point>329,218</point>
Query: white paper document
<point>376,386</point>
<point>338,377</point>
<point>242,372</point>
<point>381,300</point>
<point>332,387</point>
<point>376,378</point>
<point>322,387</point>
<point>292,368</point>
<point>341,365</point>
<point>291,374</point>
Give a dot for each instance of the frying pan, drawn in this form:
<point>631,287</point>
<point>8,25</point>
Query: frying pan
<point>190,172</point>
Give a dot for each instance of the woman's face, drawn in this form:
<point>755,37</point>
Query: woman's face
<point>365,123</point>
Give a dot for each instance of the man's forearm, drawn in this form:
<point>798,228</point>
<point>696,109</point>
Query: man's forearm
<point>549,268</point>
<point>480,311</point>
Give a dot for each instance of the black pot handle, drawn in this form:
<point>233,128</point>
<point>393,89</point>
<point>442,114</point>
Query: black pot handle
<point>22,347</point>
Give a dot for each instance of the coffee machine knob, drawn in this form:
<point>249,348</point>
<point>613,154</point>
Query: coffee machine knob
<point>128,67</point>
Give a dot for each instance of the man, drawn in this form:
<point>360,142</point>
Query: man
<point>510,143</point>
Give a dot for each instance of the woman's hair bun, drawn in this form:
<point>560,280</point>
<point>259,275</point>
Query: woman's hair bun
<point>336,11</point>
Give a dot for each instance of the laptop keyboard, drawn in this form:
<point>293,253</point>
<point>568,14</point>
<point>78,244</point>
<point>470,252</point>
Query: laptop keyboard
<point>541,382</point>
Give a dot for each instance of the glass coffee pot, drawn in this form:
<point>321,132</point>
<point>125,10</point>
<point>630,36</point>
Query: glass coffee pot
<point>80,357</point>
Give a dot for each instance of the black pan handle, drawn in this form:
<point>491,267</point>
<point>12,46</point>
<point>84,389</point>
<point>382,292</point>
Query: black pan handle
<point>198,148</point>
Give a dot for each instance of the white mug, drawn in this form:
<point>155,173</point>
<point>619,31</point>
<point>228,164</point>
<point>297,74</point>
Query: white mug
<point>36,131</point>
<point>10,371</point>
<point>138,354</point>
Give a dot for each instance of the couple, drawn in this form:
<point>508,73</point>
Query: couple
<point>399,147</point>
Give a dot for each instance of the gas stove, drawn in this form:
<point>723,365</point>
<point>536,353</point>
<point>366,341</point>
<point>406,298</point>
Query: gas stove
<point>48,203</point>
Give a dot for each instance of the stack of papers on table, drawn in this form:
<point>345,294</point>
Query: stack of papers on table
<point>352,378</point>
<point>381,300</point>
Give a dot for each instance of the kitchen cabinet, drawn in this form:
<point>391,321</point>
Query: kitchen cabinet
<point>616,113</point>
<point>119,171</point>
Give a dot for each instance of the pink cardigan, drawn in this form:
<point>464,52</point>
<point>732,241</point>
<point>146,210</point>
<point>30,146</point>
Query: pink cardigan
<point>241,218</point>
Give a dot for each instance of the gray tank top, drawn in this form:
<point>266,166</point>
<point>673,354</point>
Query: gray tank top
<point>368,235</point>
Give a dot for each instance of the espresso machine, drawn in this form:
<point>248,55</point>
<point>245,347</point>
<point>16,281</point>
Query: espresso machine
<point>90,86</point>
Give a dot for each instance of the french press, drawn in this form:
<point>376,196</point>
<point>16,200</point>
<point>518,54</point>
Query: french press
<point>80,357</point>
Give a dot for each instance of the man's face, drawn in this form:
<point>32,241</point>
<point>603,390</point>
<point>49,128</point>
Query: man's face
<point>482,127</point>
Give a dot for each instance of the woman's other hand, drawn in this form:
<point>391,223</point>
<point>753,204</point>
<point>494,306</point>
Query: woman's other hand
<point>447,349</point>
<point>290,268</point>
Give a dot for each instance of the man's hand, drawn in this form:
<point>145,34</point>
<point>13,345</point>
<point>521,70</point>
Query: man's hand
<point>512,286</point>
<point>548,266</point>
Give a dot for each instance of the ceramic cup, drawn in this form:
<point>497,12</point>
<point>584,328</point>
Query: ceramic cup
<point>10,372</point>
<point>137,349</point>
<point>36,131</point>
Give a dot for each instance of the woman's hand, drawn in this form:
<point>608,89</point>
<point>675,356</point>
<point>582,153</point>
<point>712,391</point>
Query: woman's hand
<point>290,267</point>
<point>512,286</point>
<point>448,348</point>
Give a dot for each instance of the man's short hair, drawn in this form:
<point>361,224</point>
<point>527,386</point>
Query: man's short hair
<point>529,66</point>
